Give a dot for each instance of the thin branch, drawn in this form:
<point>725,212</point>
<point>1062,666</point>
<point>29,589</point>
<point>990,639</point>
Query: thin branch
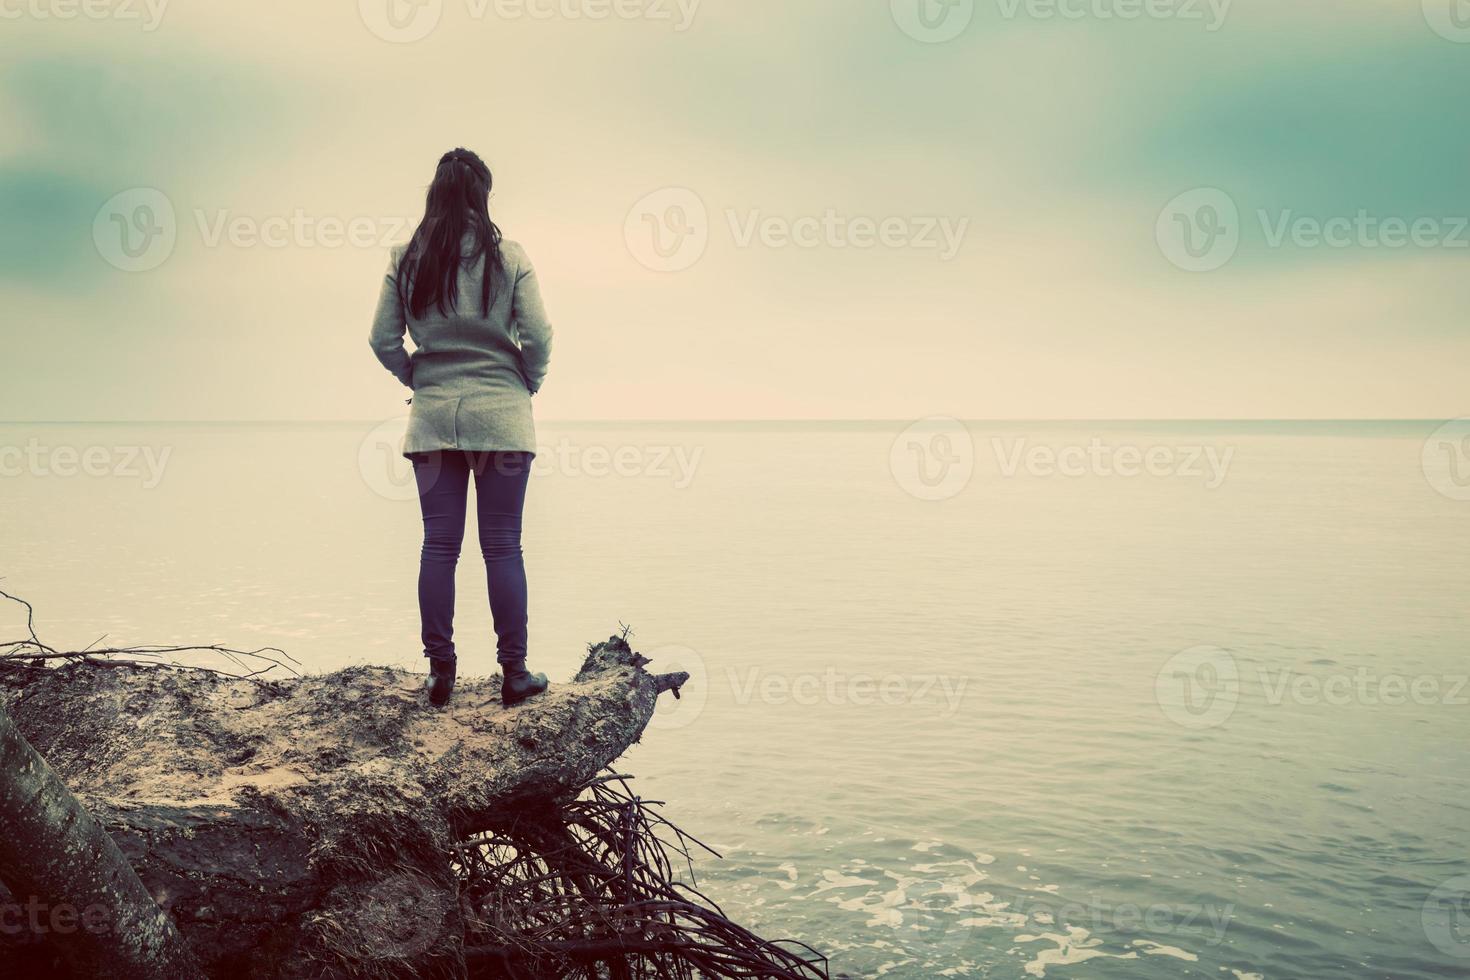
<point>32,654</point>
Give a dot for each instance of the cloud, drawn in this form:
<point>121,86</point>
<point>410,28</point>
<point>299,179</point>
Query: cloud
<point>1059,140</point>
<point>94,125</point>
<point>46,226</point>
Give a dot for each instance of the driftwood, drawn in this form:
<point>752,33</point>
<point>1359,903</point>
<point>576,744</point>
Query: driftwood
<point>316,825</point>
<point>338,826</point>
<point>75,880</point>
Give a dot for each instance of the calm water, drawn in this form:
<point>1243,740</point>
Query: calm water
<point>1208,721</point>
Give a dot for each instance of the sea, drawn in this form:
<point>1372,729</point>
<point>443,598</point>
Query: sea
<point>969,699</point>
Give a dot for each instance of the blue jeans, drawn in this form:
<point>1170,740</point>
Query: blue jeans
<point>443,480</point>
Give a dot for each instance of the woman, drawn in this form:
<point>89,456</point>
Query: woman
<point>470,302</point>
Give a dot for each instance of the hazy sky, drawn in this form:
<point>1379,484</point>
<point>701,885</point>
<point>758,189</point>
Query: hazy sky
<point>751,208</point>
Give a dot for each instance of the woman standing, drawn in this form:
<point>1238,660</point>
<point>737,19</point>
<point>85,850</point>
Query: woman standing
<point>470,301</point>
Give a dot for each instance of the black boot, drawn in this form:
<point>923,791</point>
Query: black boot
<point>441,681</point>
<point>519,683</point>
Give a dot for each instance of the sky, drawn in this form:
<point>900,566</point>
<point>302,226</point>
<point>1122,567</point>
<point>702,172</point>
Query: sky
<point>750,209</point>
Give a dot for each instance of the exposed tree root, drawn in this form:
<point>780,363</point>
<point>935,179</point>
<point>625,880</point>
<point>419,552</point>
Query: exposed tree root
<point>588,890</point>
<point>337,826</point>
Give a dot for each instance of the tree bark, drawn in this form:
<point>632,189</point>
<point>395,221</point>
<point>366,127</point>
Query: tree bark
<point>67,877</point>
<point>306,827</point>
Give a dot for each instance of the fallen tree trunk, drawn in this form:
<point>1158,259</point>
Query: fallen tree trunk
<point>69,877</point>
<point>315,826</point>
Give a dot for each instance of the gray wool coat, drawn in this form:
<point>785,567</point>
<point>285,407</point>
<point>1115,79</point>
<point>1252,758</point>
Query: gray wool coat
<point>472,376</point>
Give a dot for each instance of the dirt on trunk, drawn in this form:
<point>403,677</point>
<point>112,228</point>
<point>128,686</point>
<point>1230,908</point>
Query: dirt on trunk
<point>310,826</point>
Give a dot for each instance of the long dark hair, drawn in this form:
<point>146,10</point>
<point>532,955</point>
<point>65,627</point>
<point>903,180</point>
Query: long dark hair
<point>457,205</point>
